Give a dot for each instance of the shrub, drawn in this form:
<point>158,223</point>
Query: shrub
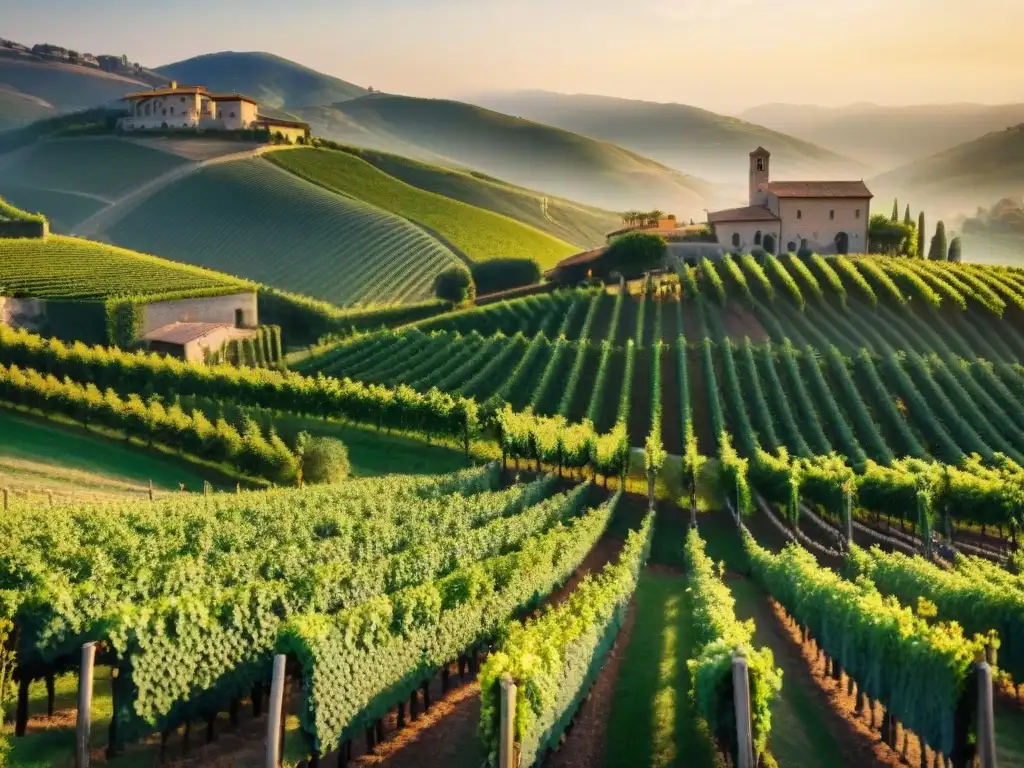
<point>805,251</point>
<point>322,459</point>
<point>634,253</point>
<point>455,284</point>
<point>504,274</point>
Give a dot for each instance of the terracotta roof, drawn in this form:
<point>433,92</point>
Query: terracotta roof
<point>183,333</point>
<point>230,97</point>
<point>189,90</point>
<point>759,152</point>
<point>750,213</point>
<point>581,258</point>
<point>856,189</point>
<point>279,121</point>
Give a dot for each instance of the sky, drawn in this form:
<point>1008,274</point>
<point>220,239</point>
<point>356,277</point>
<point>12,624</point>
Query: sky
<point>724,55</point>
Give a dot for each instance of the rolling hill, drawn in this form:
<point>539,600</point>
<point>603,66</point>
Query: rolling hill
<point>272,80</point>
<point>582,225</point>
<point>695,140</point>
<point>476,233</point>
<point>884,136</point>
<point>32,89</point>
<point>249,217</point>
<point>964,177</point>
<point>525,153</point>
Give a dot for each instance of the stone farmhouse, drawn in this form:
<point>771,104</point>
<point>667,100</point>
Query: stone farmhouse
<point>826,216</point>
<point>185,107</point>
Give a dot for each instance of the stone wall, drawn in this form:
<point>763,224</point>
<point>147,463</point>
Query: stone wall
<point>214,309</point>
<point>22,313</point>
<point>34,229</point>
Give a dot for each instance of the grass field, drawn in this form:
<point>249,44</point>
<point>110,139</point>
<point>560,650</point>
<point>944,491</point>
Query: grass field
<point>567,220</point>
<point>479,234</point>
<point>249,217</point>
<point>37,456</point>
<point>71,268</point>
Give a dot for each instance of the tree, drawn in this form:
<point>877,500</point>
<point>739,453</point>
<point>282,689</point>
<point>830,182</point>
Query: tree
<point>895,211</point>
<point>321,459</point>
<point>496,275</point>
<point>768,243</point>
<point>906,217</point>
<point>455,284</point>
<point>939,248</point>
<point>633,254</point>
<point>955,250</point>
<point>888,236</point>
<point>920,235</point>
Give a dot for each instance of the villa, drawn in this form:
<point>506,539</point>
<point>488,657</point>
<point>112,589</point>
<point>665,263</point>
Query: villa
<point>185,107</point>
<point>826,216</point>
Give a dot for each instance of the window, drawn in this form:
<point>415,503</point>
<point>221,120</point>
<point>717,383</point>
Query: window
<point>857,213</point>
<point>760,163</point>
<point>757,237</point>
<point>832,214</point>
<point>182,99</point>
<point>147,110</point>
<point>172,110</point>
<point>165,110</point>
<point>799,213</point>
<point>736,239</point>
<point>232,114</point>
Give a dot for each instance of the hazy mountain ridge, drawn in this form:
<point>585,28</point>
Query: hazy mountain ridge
<point>273,80</point>
<point>888,136</point>
<point>689,138</point>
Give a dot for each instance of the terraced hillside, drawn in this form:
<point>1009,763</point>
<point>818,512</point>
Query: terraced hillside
<point>573,222</point>
<point>525,153</point>
<point>68,180</point>
<point>71,268</point>
<point>477,233</point>
<point>250,218</point>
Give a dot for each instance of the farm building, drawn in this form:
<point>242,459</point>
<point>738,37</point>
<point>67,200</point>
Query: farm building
<point>193,107</point>
<point>826,216</point>
<point>192,341</point>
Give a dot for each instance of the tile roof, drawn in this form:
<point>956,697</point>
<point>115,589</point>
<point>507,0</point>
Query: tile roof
<point>581,258</point>
<point>183,333</point>
<point>760,151</point>
<point>856,189</point>
<point>750,213</point>
<point>230,97</point>
<point>187,90</point>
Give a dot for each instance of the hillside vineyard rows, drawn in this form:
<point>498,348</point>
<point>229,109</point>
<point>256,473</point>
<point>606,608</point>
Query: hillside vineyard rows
<point>828,392</point>
<point>350,251</point>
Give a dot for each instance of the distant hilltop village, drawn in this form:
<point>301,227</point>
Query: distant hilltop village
<point>192,107</point>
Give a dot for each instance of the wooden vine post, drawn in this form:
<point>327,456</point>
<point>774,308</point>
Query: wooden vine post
<point>7,500</point>
<point>84,719</point>
<point>275,714</point>
<point>986,716</point>
<point>508,750</point>
<point>693,498</point>
<point>848,511</point>
<point>741,701</point>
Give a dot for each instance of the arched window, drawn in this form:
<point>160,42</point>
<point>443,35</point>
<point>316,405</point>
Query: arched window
<point>172,110</point>
<point>760,163</point>
<point>799,213</point>
<point>147,110</point>
<point>736,239</point>
<point>232,114</point>
<point>757,237</point>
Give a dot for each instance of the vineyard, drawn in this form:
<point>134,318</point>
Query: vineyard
<point>249,218</point>
<point>849,591</point>
<point>475,232</point>
<point>70,268</point>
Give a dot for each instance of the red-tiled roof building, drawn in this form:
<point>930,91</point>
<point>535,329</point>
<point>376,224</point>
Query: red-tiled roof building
<point>826,216</point>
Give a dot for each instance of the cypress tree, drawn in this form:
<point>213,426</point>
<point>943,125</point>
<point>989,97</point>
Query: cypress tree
<point>895,218</point>
<point>920,235</point>
<point>955,250</point>
<point>906,217</point>
<point>939,247</point>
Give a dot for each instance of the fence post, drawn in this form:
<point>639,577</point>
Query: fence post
<point>506,739</point>
<point>986,717</point>
<point>273,756</point>
<point>84,722</point>
<point>741,700</point>
<point>7,501</point>
<point>848,514</point>
<point>150,490</point>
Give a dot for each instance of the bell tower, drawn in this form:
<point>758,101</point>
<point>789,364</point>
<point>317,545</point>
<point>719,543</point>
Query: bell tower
<point>760,163</point>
